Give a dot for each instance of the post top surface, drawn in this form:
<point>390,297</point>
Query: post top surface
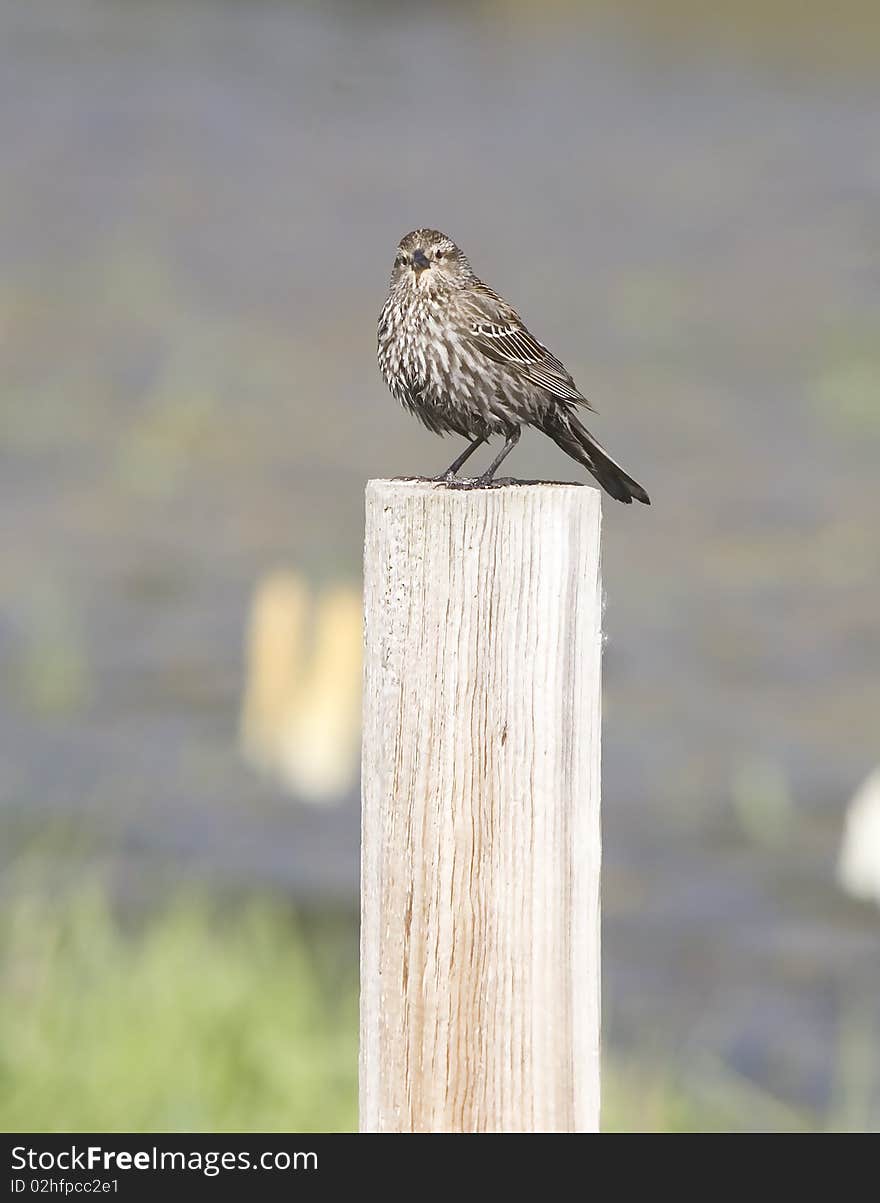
<point>400,485</point>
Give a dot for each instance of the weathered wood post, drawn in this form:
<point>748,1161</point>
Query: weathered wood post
<point>481,842</point>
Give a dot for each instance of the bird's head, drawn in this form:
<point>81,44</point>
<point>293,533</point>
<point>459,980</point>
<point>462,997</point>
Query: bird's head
<point>429,261</point>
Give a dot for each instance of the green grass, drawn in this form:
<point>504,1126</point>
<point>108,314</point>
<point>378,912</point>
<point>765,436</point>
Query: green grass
<point>198,1020</point>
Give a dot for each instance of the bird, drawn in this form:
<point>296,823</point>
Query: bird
<point>455,354</point>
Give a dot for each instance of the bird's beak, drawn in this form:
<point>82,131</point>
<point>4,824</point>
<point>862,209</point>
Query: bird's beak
<point>420,261</point>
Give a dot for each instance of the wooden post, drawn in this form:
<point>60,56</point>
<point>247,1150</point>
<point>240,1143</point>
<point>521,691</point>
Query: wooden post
<point>481,842</point>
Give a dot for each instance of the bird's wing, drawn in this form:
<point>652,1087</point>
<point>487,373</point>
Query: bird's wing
<point>497,330</point>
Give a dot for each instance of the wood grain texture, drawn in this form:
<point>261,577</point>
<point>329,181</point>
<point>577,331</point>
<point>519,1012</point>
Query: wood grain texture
<point>481,780</point>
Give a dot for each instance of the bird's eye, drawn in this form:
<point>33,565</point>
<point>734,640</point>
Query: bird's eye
<point>439,254</point>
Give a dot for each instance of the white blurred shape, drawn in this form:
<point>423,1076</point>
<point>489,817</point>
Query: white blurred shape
<point>858,865</point>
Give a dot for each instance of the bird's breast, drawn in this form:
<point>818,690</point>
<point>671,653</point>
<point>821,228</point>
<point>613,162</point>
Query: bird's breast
<point>410,331</point>
<point>429,365</point>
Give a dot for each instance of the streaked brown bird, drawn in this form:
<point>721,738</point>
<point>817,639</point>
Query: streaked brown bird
<point>455,354</point>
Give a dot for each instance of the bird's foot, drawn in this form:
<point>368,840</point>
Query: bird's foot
<point>458,482</point>
<point>451,481</point>
<point>498,482</point>
<point>475,482</point>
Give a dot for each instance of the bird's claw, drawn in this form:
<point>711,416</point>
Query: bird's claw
<point>473,482</point>
<point>457,481</point>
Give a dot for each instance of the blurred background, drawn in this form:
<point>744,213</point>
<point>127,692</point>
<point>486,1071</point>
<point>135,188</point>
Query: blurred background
<point>199,208</point>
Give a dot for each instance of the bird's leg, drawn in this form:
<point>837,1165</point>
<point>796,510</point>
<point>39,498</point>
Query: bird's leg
<point>512,440</point>
<point>453,468</point>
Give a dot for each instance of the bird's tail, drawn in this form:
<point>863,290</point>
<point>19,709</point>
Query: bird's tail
<point>566,431</point>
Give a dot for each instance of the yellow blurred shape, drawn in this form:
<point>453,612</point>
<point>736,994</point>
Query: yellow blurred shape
<point>301,711</point>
